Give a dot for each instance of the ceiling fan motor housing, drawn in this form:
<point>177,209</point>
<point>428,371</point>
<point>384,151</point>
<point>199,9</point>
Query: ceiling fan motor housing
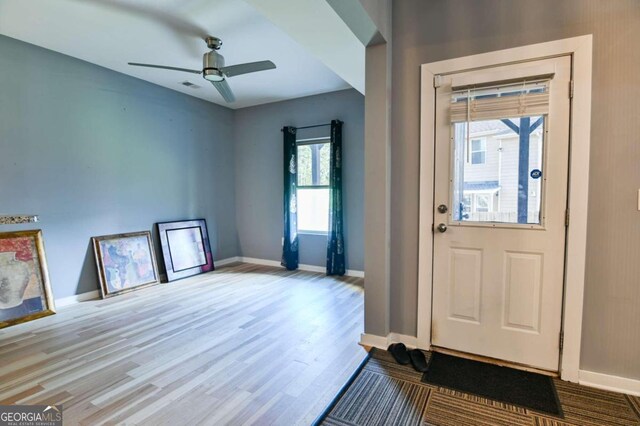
<point>211,63</point>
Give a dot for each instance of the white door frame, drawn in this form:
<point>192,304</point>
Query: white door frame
<point>580,49</point>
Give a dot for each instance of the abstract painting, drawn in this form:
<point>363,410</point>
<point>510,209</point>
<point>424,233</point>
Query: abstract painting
<point>125,262</point>
<point>25,292</point>
<point>185,248</point>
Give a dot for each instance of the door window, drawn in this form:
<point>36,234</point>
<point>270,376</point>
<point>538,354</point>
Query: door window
<point>498,137</point>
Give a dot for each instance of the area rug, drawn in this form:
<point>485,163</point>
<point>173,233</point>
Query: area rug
<point>382,392</point>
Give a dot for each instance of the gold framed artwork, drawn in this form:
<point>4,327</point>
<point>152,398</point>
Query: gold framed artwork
<point>125,262</point>
<point>25,290</point>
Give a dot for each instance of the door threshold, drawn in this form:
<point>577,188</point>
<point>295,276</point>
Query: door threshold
<point>494,361</point>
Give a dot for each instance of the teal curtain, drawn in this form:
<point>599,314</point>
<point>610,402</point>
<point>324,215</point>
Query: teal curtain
<point>290,246</point>
<point>335,238</point>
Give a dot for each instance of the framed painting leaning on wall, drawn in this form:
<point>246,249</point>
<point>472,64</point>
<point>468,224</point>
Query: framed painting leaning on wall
<point>185,248</point>
<point>125,262</point>
<point>25,291</point>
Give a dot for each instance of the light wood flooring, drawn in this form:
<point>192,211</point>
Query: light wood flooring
<point>246,344</point>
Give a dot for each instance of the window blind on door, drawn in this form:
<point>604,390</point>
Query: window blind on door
<point>526,98</point>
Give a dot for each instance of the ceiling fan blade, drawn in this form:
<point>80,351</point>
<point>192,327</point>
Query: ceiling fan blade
<point>165,67</point>
<point>233,70</point>
<point>225,90</point>
<point>155,14</point>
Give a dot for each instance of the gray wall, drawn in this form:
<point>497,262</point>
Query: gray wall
<point>377,221</point>
<point>95,152</point>
<point>258,155</point>
<point>427,31</point>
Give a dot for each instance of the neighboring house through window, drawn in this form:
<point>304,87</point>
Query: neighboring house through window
<point>313,186</point>
<point>490,172</point>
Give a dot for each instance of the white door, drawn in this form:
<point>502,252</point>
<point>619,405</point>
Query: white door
<point>502,138</point>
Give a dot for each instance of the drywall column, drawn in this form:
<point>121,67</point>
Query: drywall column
<point>370,21</point>
<point>377,167</point>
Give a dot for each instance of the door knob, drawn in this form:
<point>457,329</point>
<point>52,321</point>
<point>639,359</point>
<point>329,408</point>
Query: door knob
<point>442,227</point>
<point>442,208</point>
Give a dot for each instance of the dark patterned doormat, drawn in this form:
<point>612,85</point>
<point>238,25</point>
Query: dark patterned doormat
<point>504,384</point>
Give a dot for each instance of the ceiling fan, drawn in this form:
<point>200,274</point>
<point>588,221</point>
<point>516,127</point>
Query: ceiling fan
<point>214,70</point>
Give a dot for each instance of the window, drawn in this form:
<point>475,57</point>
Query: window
<point>476,202</point>
<point>313,186</point>
<point>515,115</point>
<point>466,204</point>
<point>478,151</point>
<point>483,203</point>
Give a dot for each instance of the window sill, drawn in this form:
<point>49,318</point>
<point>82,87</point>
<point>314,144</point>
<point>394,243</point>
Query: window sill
<point>319,233</point>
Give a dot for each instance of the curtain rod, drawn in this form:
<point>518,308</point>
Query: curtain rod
<point>312,126</point>
<point>315,125</point>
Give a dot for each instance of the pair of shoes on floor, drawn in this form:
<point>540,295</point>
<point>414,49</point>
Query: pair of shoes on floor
<point>403,356</point>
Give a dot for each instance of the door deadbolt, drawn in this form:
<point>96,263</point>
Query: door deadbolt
<point>442,208</point>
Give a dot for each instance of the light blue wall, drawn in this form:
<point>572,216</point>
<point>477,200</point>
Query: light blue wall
<point>258,152</point>
<point>95,152</point>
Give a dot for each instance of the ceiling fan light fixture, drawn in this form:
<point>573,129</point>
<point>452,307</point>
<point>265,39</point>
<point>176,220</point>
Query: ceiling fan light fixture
<point>212,74</point>
<point>215,71</point>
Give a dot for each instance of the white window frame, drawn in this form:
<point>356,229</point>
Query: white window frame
<point>483,144</point>
<point>581,51</point>
<point>313,141</point>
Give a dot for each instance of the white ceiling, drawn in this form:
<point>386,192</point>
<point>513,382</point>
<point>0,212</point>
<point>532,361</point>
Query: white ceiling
<point>317,26</point>
<point>111,33</point>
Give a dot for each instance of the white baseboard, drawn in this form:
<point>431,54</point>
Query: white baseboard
<point>373,341</point>
<point>409,341</point>
<point>302,267</point>
<point>226,261</point>
<point>312,268</point>
<point>82,297</point>
<point>95,294</point>
<point>610,383</point>
<point>257,261</point>
<point>354,273</point>
<point>381,342</point>
<point>587,378</point>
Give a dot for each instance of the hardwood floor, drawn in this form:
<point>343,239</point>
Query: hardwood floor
<point>246,344</point>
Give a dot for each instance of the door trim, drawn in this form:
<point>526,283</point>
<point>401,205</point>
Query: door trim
<point>580,50</point>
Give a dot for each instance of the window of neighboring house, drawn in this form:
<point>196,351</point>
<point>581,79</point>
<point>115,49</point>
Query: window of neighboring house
<point>313,186</point>
<point>473,202</point>
<point>483,203</point>
<point>466,205</point>
<point>478,151</point>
